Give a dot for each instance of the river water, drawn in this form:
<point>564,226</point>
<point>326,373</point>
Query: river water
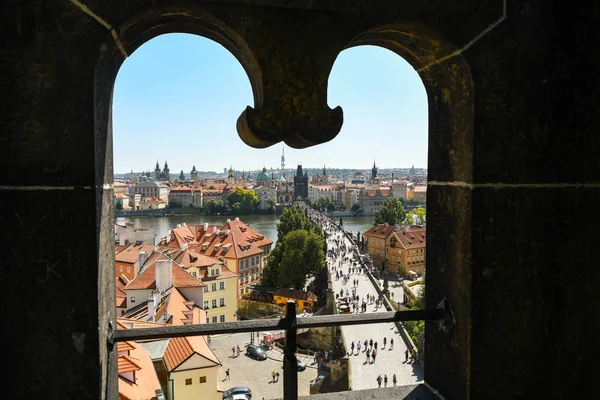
<point>264,224</point>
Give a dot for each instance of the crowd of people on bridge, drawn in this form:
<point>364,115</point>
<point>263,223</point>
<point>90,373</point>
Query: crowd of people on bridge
<point>344,263</point>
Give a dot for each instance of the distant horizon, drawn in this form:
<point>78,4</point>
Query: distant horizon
<point>187,172</point>
<point>178,97</point>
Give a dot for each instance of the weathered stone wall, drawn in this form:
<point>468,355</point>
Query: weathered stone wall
<point>514,172</point>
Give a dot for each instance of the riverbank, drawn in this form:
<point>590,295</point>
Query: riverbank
<point>169,212</point>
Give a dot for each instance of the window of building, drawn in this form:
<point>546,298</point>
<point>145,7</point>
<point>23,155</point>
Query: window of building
<point>133,299</point>
<point>205,304</point>
<point>214,303</point>
<point>188,381</point>
<point>121,268</point>
<point>214,320</point>
<point>222,318</point>
<point>128,270</point>
<point>202,379</point>
<point>205,289</point>
<point>194,274</point>
<point>222,285</point>
<point>241,292</point>
<point>214,287</point>
<point>222,302</point>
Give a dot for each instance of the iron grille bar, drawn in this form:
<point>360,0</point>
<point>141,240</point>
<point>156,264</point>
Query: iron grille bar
<point>290,362</point>
<point>274,324</point>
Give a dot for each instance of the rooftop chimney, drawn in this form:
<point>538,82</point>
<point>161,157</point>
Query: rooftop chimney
<point>237,218</point>
<point>143,258</point>
<point>205,226</point>
<point>164,275</point>
<point>228,220</point>
<point>179,225</point>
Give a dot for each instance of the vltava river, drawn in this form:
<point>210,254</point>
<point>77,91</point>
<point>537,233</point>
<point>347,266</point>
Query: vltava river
<point>265,224</point>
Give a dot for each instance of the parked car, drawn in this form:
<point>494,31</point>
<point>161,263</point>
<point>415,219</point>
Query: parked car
<point>256,352</point>
<point>245,390</point>
<point>238,396</point>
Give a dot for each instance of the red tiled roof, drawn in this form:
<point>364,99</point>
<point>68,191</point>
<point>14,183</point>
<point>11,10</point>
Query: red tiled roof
<point>147,278</point>
<point>128,364</point>
<point>380,231</point>
<point>180,349</point>
<point>413,238</point>
<point>146,380</point>
<point>372,192</point>
<point>131,253</point>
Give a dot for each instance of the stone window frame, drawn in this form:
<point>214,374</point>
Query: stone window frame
<point>450,91</point>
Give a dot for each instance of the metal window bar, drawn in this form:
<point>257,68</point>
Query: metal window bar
<point>290,324</point>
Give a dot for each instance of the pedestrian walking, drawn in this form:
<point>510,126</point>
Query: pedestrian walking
<point>227,374</point>
<point>273,374</point>
<point>368,355</point>
<point>233,351</point>
<point>375,345</point>
<point>385,381</point>
<point>406,355</point>
<point>277,377</point>
<point>237,349</point>
<point>371,343</point>
<point>391,343</point>
<point>352,347</point>
<point>379,380</point>
<point>358,347</point>
<point>374,355</point>
<point>384,342</point>
<point>394,380</point>
<point>366,343</point>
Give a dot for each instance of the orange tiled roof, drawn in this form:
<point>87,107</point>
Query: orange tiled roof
<point>380,231</point>
<point>131,253</point>
<point>180,349</point>
<point>123,323</point>
<point>146,279</point>
<point>413,238</point>
<point>191,258</point>
<point>372,192</point>
<point>127,364</point>
<point>124,346</point>
<point>146,380</point>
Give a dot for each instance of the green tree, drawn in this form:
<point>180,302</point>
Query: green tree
<point>247,199</point>
<point>292,218</point>
<point>213,207</point>
<point>391,212</point>
<point>302,257</point>
<point>355,209</point>
<point>119,205</point>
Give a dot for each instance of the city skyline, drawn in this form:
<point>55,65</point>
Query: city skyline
<point>178,97</point>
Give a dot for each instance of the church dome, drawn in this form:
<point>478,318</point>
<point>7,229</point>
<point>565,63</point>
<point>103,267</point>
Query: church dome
<point>263,176</point>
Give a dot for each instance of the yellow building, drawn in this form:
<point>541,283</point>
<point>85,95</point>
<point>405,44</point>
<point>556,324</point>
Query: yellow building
<point>192,369</point>
<point>304,300</point>
<point>376,239</point>
<point>220,300</point>
<point>401,250</point>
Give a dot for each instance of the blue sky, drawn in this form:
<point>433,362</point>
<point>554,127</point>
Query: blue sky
<point>178,98</point>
